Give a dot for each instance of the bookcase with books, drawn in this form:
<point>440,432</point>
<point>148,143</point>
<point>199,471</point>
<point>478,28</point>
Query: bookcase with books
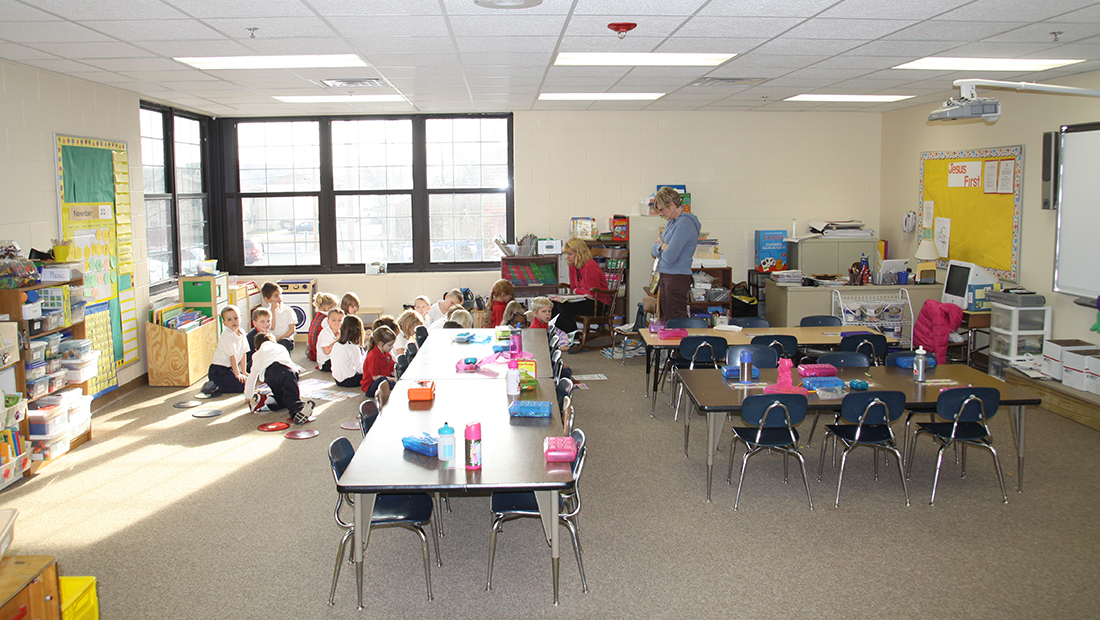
<point>532,276</point>
<point>179,344</point>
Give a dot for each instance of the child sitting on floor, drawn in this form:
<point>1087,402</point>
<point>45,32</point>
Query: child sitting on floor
<point>349,303</point>
<point>271,364</point>
<point>261,324</point>
<point>378,365</point>
<point>407,323</point>
<point>459,318</point>
<point>229,366</point>
<point>325,341</point>
<point>422,304</point>
<point>541,308</point>
<point>322,302</point>
<point>283,321</point>
<point>347,353</point>
<point>499,298</point>
<point>515,315</point>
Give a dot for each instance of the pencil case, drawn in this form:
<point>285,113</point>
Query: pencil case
<point>817,370</point>
<point>559,449</point>
<point>422,390</point>
<point>530,409</point>
<point>734,372</point>
<point>666,334</point>
<point>817,383</point>
<point>421,444</point>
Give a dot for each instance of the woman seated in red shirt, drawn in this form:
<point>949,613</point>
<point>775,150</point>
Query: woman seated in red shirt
<point>584,276</point>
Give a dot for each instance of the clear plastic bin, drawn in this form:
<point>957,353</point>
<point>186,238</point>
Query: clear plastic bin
<point>1027,319</point>
<point>1002,344</point>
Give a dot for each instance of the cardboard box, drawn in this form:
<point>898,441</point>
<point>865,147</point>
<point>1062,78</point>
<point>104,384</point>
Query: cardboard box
<point>1074,367</point>
<point>620,228</point>
<point>1053,350</point>
<point>770,250</point>
<point>1092,374</point>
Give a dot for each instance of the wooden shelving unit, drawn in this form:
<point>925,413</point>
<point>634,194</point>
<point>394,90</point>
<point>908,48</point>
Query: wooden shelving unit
<point>532,276</point>
<point>11,303</point>
<point>723,276</point>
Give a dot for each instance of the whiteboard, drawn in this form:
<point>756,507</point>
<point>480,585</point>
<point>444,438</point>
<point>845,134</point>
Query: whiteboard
<point>1076,268</point>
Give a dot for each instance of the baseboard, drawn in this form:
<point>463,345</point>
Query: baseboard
<point>123,391</point>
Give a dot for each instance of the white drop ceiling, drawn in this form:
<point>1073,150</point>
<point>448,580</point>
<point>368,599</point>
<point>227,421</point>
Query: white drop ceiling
<point>454,56</point>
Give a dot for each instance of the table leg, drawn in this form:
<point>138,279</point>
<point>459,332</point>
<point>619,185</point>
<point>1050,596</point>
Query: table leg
<point>656,383</point>
<point>548,510</point>
<point>1020,415</point>
<point>648,353</point>
<point>364,505</point>
<point>714,434</point>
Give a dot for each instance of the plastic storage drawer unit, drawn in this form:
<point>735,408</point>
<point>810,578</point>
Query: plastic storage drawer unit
<point>78,598</point>
<point>48,420</point>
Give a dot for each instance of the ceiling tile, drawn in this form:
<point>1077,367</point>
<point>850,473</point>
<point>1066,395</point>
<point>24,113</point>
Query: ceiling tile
<point>709,45</point>
<point>819,47</point>
<point>890,9</point>
<point>505,45</point>
<point>154,30</point>
<point>536,60</point>
<point>947,30</point>
<point>440,60</point>
<point>467,7</point>
<point>1013,10</point>
<point>628,9</point>
<point>139,64</point>
<point>1041,33</point>
<point>95,49</point>
<point>402,45</point>
<point>178,49</point>
<point>737,27</point>
<point>755,8</point>
<point>16,52</point>
<point>19,12</point>
<point>611,43</point>
<point>995,49</point>
<point>866,29</point>
<point>377,7</point>
<point>107,9</point>
<point>297,46</point>
<point>648,26</point>
<point>869,63</point>
<point>272,27</point>
<point>506,24</point>
<point>57,65</point>
<point>47,32</point>
<point>392,25</point>
<point>208,9</point>
<point>907,49</point>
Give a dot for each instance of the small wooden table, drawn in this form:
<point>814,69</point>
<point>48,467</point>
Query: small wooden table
<point>714,395</point>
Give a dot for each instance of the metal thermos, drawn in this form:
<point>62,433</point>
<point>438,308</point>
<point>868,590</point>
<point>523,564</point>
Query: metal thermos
<point>920,364</point>
<point>746,367</point>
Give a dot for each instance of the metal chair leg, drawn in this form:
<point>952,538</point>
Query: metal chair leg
<point>339,560</point>
<point>936,479</point>
<point>492,552</point>
<point>439,514</point>
<point>577,551</point>
<point>427,560</point>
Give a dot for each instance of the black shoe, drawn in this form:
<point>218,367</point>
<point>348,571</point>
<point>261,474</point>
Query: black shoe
<point>305,416</point>
<point>209,388</point>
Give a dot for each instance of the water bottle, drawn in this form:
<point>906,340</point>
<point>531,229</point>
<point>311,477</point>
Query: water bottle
<point>746,366</point>
<point>864,270</point>
<point>446,443</point>
<point>920,364</point>
<point>515,343</point>
<point>783,376</point>
<point>511,379</point>
<point>473,445</point>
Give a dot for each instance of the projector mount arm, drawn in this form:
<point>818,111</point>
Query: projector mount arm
<point>968,88</point>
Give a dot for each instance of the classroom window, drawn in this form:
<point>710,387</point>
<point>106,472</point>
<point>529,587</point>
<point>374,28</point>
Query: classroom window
<point>173,163</point>
<point>334,194</point>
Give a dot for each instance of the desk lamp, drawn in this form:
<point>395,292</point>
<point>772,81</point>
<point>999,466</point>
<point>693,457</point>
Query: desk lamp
<point>926,257</point>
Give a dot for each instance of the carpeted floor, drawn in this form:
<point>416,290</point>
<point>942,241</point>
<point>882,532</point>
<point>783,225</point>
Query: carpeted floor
<point>208,518</point>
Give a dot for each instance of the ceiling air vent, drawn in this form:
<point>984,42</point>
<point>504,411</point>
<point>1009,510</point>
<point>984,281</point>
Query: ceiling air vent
<point>355,83</point>
<point>717,81</point>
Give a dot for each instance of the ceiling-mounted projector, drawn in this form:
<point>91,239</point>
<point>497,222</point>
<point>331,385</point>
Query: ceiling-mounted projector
<point>979,107</point>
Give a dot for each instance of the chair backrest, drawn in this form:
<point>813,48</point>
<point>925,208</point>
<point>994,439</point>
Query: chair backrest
<point>893,356</point>
<point>582,450</point>
<point>400,366</point>
<point>564,388</point>
<point>845,359</point>
<point>340,452</point>
<point>640,322</point>
<point>749,321</point>
<point>872,407</point>
<point>968,404</point>
<point>762,356</point>
<point>774,410</point>
<point>421,334</point>
<point>567,414</point>
<point>872,345</point>
<point>820,320</point>
<point>687,322</point>
<point>613,263</point>
<point>382,393</point>
<point>368,413</point>
<point>703,349</point>
<point>410,350</point>
<point>782,343</point>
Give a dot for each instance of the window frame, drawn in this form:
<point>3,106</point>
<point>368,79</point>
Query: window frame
<point>172,194</point>
<point>228,205</point>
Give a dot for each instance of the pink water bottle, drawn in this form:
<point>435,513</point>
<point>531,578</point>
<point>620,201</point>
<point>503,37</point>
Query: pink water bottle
<point>473,445</point>
<point>515,345</point>
<point>784,376</point>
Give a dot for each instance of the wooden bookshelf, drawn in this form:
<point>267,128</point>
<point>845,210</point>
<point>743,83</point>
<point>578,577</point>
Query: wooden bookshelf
<point>177,358</point>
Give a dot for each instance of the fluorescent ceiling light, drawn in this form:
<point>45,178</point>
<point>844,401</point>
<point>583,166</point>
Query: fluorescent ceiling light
<point>342,99</point>
<point>942,63</point>
<point>640,59</point>
<point>600,96</point>
<point>851,98</point>
<point>214,63</point>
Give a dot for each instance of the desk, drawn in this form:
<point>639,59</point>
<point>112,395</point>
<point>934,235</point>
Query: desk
<point>974,322</point>
<point>817,336</point>
<point>437,358</point>
<point>512,447</point>
<point>711,394</point>
<point>788,304</point>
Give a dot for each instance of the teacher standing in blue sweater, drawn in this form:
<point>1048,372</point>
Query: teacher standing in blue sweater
<point>675,247</point>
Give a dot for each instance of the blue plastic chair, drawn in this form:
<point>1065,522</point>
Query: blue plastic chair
<point>762,356</point>
<point>411,512</point>
<point>749,321</point>
<point>869,415</point>
<point>421,334</point>
<point>871,345</point>
<point>687,322</point>
<point>771,419</point>
<point>410,351</point>
<point>820,320</point>
<point>967,411</point>
<point>782,343</point>
<point>845,359</point>
<point>695,352</point>
<point>892,360</point>
<point>509,505</point>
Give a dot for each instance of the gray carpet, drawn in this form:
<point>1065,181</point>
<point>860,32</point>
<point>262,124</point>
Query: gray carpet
<point>209,518</point>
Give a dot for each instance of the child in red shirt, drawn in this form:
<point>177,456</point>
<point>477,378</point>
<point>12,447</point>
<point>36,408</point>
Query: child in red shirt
<point>498,300</point>
<point>378,365</point>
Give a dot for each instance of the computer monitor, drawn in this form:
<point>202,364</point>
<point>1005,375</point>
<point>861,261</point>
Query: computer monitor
<point>961,276</point>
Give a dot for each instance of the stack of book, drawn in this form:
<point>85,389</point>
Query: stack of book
<point>789,277</point>
<point>172,315</point>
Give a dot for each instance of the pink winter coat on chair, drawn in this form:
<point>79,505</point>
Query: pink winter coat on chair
<point>933,325</point>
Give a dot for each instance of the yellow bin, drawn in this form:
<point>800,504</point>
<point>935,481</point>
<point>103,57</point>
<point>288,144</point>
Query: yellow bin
<point>78,598</point>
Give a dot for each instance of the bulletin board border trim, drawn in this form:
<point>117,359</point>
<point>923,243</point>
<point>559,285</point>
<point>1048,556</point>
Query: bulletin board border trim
<point>1015,152</point>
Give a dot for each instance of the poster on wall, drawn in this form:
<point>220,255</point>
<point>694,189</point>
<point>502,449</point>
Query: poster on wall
<point>93,200</point>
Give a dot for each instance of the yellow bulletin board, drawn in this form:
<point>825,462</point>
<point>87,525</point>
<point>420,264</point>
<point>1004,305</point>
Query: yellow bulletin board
<point>94,214</point>
<point>969,202</point>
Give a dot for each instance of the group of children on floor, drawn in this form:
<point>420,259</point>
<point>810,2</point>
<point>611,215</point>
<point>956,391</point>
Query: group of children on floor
<point>356,355</point>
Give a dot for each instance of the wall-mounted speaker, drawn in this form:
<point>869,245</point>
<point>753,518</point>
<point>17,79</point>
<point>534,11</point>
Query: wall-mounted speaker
<point>1051,140</point>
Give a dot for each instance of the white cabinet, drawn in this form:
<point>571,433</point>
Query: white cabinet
<point>1014,334</point>
<point>829,256</point>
